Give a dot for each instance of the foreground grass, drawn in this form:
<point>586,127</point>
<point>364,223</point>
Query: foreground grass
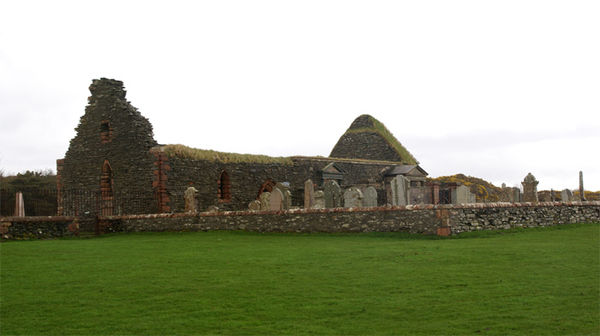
<point>533,282</point>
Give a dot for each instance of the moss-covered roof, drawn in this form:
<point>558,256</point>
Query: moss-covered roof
<point>365,124</point>
<point>185,152</point>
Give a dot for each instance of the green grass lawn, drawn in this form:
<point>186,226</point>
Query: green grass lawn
<point>532,282</point>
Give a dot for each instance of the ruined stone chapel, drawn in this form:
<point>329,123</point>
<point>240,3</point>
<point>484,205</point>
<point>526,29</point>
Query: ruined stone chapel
<point>114,166</point>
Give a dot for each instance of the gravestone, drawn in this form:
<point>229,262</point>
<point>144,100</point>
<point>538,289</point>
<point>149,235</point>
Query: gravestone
<point>265,201</point>
<point>333,194</point>
<point>581,189</point>
<point>284,187</point>
<point>370,197</point>
<point>353,198</point>
<point>277,199</point>
<point>566,195</point>
<point>530,189</point>
<point>516,195</point>
<point>254,205</point>
<point>400,190</point>
<point>462,195</point>
<point>191,204</point>
<point>319,200</point>
<point>19,205</point>
<point>309,194</point>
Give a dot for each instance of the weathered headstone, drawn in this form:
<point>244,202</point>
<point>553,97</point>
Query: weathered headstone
<point>191,204</point>
<point>581,189</point>
<point>462,195</point>
<point>530,188</point>
<point>286,202</point>
<point>19,205</point>
<point>254,205</point>
<point>566,195</point>
<point>276,202</point>
<point>333,194</point>
<point>353,198</point>
<point>319,200</point>
<point>370,197</point>
<point>265,201</point>
<point>309,194</point>
<point>400,190</point>
<point>516,195</point>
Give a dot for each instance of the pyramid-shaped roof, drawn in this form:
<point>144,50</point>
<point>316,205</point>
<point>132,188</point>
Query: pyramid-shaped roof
<point>367,138</point>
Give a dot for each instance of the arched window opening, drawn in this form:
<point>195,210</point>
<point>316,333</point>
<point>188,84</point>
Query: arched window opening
<point>106,190</point>
<point>224,187</point>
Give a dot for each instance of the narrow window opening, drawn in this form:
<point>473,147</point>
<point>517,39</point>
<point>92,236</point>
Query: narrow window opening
<point>224,187</point>
<point>105,132</point>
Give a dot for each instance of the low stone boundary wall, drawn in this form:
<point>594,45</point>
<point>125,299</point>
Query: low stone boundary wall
<point>425,219</point>
<point>38,227</point>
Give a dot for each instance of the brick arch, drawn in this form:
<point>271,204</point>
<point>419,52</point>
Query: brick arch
<point>268,185</point>
<point>106,190</point>
<point>224,191</point>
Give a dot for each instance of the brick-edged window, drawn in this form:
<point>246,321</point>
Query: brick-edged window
<point>105,131</point>
<point>224,187</point>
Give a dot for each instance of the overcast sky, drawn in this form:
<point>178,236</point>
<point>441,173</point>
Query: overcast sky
<point>492,89</point>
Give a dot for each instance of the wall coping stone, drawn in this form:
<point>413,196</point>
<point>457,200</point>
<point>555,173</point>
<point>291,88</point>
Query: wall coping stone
<point>411,207</point>
<point>37,219</point>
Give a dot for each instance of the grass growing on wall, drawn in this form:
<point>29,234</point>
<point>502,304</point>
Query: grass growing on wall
<point>523,282</point>
<point>214,156</point>
<point>379,128</point>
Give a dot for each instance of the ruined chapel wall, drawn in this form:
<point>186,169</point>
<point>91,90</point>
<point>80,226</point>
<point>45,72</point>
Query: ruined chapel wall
<point>111,130</point>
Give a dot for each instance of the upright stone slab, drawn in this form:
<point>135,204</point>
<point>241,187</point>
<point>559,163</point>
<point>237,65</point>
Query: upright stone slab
<point>400,190</point>
<point>276,202</point>
<point>462,195</point>
<point>370,197</point>
<point>265,201</point>
<point>309,194</point>
<point>286,202</point>
<point>19,205</point>
<point>530,189</point>
<point>516,195</point>
<point>333,194</point>
<point>353,198</point>
<point>191,204</point>
<point>319,200</point>
<point>566,195</point>
<point>581,189</point>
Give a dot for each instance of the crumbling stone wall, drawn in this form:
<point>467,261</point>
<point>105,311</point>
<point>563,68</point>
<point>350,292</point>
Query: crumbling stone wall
<point>111,131</point>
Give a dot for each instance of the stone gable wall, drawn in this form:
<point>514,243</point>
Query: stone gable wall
<point>110,130</point>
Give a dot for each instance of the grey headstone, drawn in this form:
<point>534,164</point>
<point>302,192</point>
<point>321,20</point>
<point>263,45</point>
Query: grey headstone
<point>284,187</point>
<point>400,190</point>
<point>581,189</point>
<point>276,203</point>
<point>19,205</point>
<point>309,194</point>
<point>319,200</point>
<point>566,195</point>
<point>462,195</point>
<point>370,197</point>
<point>353,198</point>
<point>191,205</point>
<point>333,194</point>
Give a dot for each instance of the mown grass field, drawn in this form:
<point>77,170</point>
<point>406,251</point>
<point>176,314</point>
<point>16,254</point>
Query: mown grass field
<point>527,282</point>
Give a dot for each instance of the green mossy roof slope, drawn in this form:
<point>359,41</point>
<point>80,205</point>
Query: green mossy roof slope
<point>368,124</point>
<point>185,152</point>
